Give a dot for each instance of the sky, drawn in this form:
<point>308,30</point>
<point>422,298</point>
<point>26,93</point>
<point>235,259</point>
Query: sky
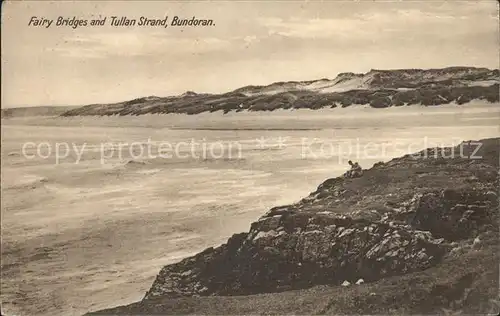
<point>252,43</point>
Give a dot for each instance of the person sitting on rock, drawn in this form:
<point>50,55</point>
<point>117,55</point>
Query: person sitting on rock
<point>348,173</point>
<point>356,170</point>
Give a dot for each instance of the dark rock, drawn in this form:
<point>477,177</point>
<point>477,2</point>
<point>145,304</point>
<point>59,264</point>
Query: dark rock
<point>381,102</point>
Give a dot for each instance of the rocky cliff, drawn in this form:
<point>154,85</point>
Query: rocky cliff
<point>378,88</point>
<point>417,234</point>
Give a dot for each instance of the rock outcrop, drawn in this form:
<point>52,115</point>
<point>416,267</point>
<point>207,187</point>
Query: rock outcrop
<point>418,222</point>
<point>293,251</point>
<point>378,88</point>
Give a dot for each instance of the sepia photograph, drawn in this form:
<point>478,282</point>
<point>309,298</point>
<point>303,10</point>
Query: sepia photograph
<point>250,157</point>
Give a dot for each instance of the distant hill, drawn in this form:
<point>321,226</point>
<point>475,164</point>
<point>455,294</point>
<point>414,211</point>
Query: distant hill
<point>36,111</point>
<point>379,88</point>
